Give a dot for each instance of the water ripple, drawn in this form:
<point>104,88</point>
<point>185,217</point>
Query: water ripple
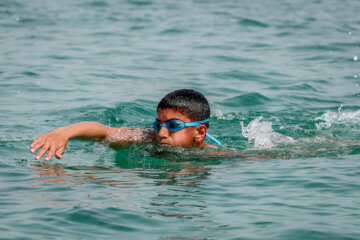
<point>252,23</point>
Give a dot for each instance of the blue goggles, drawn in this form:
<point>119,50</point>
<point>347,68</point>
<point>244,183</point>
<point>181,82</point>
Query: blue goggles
<point>175,125</point>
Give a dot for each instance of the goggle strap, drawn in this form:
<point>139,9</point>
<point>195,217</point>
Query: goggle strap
<point>214,139</point>
<point>195,124</point>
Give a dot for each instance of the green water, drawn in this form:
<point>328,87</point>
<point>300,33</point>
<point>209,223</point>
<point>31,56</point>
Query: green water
<point>282,81</point>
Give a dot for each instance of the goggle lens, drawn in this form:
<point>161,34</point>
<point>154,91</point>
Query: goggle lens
<point>173,125</point>
<point>157,125</point>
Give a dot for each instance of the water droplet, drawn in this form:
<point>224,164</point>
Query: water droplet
<point>355,58</point>
<point>17,19</point>
<point>340,108</point>
<point>350,33</point>
<point>355,76</point>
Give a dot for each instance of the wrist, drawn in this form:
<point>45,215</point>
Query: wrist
<point>64,131</point>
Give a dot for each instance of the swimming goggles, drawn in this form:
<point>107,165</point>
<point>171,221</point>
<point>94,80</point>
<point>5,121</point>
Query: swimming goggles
<point>175,125</point>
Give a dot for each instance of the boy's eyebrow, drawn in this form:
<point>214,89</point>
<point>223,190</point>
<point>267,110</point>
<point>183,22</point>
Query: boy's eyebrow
<point>169,119</point>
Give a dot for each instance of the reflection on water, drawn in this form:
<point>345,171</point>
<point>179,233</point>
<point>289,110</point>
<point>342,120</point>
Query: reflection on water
<point>124,187</point>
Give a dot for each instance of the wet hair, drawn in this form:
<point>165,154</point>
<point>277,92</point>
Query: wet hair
<point>188,102</point>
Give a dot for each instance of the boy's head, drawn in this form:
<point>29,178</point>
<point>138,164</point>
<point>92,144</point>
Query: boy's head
<point>188,102</point>
<point>187,106</point>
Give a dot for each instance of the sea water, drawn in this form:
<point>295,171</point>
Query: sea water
<point>282,79</point>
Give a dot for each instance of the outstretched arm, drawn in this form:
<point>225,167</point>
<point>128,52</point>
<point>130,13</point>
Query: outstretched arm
<point>55,142</point>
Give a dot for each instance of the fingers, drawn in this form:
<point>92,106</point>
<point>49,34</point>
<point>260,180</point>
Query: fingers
<point>43,150</point>
<point>34,142</point>
<point>51,153</point>
<point>38,143</point>
<point>59,152</point>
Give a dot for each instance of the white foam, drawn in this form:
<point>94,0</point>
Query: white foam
<point>341,117</point>
<point>224,116</point>
<point>263,135</point>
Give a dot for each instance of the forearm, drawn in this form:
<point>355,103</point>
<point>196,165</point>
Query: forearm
<point>86,130</point>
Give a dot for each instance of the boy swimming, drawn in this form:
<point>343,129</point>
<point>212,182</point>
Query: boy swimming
<point>182,121</point>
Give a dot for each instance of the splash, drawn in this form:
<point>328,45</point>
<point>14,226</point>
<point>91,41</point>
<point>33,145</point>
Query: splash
<point>263,135</point>
<point>329,118</point>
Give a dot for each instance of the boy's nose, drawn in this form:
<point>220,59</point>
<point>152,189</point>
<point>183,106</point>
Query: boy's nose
<point>164,132</point>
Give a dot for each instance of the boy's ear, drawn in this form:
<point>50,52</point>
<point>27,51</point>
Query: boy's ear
<point>200,133</point>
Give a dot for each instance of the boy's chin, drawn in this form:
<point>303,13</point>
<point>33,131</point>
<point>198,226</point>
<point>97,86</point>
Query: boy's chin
<point>166,145</point>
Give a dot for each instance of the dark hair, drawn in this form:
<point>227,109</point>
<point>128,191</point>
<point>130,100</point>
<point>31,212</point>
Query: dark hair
<point>189,102</point>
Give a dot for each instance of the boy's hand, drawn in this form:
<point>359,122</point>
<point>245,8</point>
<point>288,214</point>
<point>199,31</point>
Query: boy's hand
<point>53,142</point>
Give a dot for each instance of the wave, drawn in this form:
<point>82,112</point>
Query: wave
<point>252,23</point>
<point>248,99</point>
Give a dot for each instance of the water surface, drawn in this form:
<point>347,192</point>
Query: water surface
<point>282,81</point>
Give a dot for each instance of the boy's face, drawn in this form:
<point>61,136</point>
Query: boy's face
<point>184,138</point>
